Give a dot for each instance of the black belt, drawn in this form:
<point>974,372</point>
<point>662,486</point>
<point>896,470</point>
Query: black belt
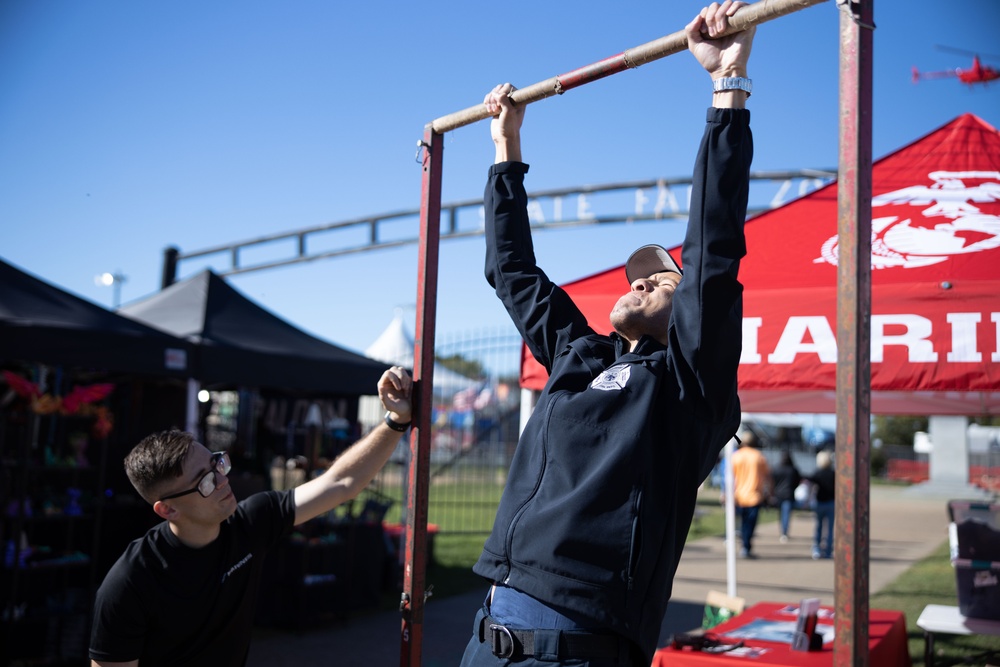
<point>516,644</point>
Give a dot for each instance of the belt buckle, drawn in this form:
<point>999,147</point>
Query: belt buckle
<point>497,633</point>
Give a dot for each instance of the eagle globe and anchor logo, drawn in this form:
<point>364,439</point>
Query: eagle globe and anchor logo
<point>952,223</point>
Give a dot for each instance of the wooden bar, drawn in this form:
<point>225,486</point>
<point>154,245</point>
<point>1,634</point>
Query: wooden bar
<point>754,14</point>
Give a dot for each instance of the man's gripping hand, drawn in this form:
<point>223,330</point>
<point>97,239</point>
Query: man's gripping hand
<point>726,56</point>
<point>394,389</point>
<point>505,128</point>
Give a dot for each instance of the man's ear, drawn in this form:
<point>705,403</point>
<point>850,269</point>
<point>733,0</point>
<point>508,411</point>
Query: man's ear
<point>164,510</point>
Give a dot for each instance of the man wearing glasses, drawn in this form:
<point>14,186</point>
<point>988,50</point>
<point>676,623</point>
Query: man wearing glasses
<point>186,592</point>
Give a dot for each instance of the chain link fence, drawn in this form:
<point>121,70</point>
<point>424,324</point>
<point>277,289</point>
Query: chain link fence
<point>474,431</point>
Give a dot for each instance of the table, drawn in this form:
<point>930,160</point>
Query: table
<point>886,635</point>
<point>949,620</point>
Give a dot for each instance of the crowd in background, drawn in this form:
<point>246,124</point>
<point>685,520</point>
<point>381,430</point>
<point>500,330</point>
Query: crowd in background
<point>775,480</point>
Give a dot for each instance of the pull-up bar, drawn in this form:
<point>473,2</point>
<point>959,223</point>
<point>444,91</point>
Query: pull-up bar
<point>759,12</point>
<point>414,571</point>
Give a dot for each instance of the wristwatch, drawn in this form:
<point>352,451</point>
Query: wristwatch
<point>394,425</point>
<point>733,83</point>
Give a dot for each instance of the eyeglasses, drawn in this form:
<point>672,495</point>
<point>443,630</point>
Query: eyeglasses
<point>220,464</point>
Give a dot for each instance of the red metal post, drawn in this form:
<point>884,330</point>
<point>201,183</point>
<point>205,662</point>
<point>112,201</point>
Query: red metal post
<point>854,227</point>
<point>415,564</point>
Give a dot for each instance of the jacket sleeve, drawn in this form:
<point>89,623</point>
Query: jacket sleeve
<point>706,334</point>
<point>543,313</point>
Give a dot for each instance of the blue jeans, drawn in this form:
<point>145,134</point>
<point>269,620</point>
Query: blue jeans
<point>824,528</point>
<point>786,514</point>
<point>515,609</point>
<point>519,610</point>
<point>748,524</point>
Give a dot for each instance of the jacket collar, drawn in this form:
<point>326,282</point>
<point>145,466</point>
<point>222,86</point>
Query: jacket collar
<point>646,345</point>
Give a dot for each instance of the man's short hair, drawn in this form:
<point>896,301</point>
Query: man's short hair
<point>158,458</point>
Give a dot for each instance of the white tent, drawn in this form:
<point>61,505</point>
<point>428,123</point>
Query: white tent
<point>395,346</point>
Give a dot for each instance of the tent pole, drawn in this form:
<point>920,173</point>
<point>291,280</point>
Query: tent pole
<point>854,225</point>
<point>191,410</point>
<point>728,488</point>
<point>415,563</point>
<point>171,256</point>
<point>754,14</point>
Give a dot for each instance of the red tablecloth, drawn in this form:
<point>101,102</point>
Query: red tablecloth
<point>886,634</point>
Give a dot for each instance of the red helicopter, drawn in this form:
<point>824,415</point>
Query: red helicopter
<point>978,73</point>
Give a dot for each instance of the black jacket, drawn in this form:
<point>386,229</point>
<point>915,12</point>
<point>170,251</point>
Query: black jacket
<point>603,484</point>
<point>826,484</point>
<point>785,479</point>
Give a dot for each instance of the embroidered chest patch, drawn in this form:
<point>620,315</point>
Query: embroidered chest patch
<point>613,379</point>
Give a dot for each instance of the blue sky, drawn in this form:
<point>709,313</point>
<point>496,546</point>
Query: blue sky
<point>127,127</point>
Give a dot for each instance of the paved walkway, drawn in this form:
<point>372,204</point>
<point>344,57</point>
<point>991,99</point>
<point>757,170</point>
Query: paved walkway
<point>904,527</point>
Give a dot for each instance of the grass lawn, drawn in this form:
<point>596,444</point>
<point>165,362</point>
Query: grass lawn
<point>931,581</point>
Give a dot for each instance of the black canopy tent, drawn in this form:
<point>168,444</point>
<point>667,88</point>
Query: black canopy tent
<point>58,344</point>
<point>239,343</point>
<point>279,372</point>
<point>40,323</point>
<point>60,340</point>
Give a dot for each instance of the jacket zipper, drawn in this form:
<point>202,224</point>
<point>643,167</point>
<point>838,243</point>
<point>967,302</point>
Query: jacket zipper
<point>524,506</point>
<point>634,550</point>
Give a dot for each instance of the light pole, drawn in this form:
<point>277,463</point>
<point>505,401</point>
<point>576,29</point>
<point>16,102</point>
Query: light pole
<point>114,280</point>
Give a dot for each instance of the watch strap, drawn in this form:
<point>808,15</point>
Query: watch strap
<point>394,425</point>
<point>725,83</point>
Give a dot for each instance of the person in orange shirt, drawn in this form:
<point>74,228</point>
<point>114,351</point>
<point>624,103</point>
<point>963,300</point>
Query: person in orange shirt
<point>751,488</point>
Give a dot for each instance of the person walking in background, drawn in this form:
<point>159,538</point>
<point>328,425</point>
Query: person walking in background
<point>751,488</point>
<point>823,480</point>
<point>786,478</point>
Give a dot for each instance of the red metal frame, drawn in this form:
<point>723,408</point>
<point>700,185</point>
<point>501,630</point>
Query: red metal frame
<point>412,604</point>
<point>853,448</point>
<point>415,565</point>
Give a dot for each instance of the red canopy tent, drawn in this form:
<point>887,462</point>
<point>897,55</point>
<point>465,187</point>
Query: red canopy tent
<point>935,323</point>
